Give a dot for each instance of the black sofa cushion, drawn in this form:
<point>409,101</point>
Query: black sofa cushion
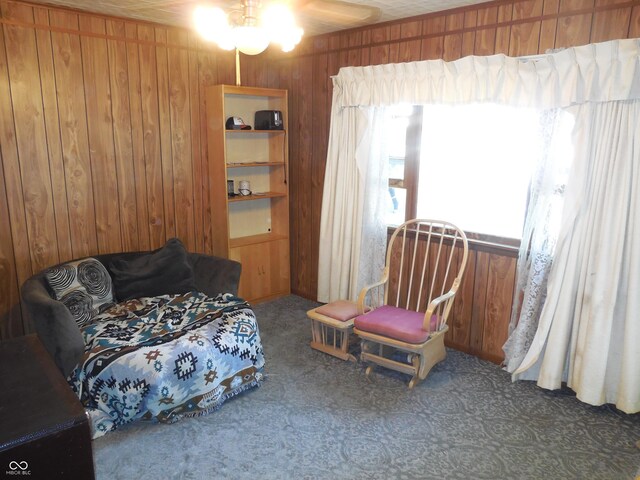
<point>162,272</point>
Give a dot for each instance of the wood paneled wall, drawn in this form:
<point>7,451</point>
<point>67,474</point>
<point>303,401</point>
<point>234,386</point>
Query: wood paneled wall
<point>513,27</point>
<point>102,139</point>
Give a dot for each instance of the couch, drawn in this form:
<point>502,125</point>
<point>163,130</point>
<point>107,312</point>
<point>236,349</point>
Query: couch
<point>175,341</point>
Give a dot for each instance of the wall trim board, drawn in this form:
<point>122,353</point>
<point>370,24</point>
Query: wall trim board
<point>165,40</point>
<point>322,43</point>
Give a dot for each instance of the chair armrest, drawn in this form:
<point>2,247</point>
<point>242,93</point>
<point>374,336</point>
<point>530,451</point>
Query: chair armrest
<point>54,324</point>
<point>365,290</point>
<point>446,297</point>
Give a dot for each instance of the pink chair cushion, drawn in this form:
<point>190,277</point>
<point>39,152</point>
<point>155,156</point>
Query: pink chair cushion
<point>397,323</point>
<point>342,310</point>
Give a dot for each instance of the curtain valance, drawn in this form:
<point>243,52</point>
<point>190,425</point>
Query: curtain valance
<point>600,72</point>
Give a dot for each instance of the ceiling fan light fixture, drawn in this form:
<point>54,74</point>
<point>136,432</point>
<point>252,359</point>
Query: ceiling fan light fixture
<point>250,39</point>
<point>256,30</point>
<point>210,22</point>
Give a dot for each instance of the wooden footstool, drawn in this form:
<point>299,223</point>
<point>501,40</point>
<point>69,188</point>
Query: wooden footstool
<point>331,325</point>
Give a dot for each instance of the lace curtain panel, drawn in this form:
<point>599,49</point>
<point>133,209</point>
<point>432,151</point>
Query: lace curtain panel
<point>588,332</point>
<point>540,233</point>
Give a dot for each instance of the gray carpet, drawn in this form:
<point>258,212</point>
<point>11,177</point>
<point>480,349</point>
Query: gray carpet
<point>318,417</point>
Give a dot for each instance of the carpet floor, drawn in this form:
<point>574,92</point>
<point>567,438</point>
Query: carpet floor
<point>317,417</point>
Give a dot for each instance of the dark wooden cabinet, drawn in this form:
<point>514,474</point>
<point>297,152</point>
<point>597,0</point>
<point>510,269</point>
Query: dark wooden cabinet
<point>44,431</point>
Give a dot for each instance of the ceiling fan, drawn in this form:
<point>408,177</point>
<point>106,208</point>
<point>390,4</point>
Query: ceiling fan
<point>337,12</point>
<point>251,25</point>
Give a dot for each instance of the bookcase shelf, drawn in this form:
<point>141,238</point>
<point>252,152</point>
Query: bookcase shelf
<point>252,229</point>
<point>254,196</point>
<point>255,164</point>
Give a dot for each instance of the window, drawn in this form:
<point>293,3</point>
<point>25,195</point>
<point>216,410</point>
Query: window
<point>399,134</point>
<point>472,166</point>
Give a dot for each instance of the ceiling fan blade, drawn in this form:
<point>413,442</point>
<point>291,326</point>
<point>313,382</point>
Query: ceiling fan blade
<point>339,12</point>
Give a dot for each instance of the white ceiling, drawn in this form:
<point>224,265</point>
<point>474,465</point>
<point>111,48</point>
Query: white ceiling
<point>178,12</point>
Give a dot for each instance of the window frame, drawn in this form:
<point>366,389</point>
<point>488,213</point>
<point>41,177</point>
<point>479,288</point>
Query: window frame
<point>411,180</point>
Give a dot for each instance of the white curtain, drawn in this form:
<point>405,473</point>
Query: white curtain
<point>579,78</point>
<point>540,233</point>
<point>599,72</point>
<point>353,237</point>
<point>589,329</point>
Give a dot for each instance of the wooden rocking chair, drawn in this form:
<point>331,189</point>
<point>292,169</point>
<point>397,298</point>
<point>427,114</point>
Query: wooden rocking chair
<point>410,305</point>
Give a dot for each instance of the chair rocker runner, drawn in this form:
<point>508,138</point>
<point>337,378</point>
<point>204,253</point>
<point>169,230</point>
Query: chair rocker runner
<point>410,305</point>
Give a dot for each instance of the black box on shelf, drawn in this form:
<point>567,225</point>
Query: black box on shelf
<point>268,120</point>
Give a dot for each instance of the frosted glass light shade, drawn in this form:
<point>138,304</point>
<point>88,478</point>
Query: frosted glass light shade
<point>276,25</point>
<point>250,40</point>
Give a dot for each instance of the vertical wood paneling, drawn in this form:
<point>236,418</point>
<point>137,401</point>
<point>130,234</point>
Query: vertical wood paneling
<point>379,54</point>
<point>503,32</point>
<point>11,174</point>
<point>434,25</point>
<point>459,333</point>
<point>452,47</point>
<point>524,39</point>
<point>497,311</point>
<point>573,30</point>
<point>52,124</point>
<point>151,136</point>
<point>610,24</point>
<point>207,75</point>
<point>10,311</point>
<point>67,60</point>
<point>548,27</point>
<point>478,312</point>
<point>97,92</point>
<point>567,6</point>
<point>304,126</point>
<point>164,118</point>
<point>486,37</point>
<point>196,146</point>
<point>180,116</point>
<point>634,27</point>
<point>319,148</point>
<point>137,137</point>
<point>410,51</point>
<point>469,36</point>
<point>122,136</point>
<point>31,139</point>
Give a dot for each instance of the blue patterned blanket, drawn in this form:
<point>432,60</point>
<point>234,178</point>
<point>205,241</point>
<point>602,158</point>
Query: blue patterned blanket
<point>162,358</point>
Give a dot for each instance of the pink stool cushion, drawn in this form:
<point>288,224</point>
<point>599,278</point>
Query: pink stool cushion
<point>342,310</point>
<point>397,323</point>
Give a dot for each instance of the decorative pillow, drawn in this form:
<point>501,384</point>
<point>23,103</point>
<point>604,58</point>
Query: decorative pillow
<point>84,286</point>
<point>165,271</point>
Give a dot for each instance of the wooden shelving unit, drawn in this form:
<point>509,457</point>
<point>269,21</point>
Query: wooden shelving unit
<point>252,229</point>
